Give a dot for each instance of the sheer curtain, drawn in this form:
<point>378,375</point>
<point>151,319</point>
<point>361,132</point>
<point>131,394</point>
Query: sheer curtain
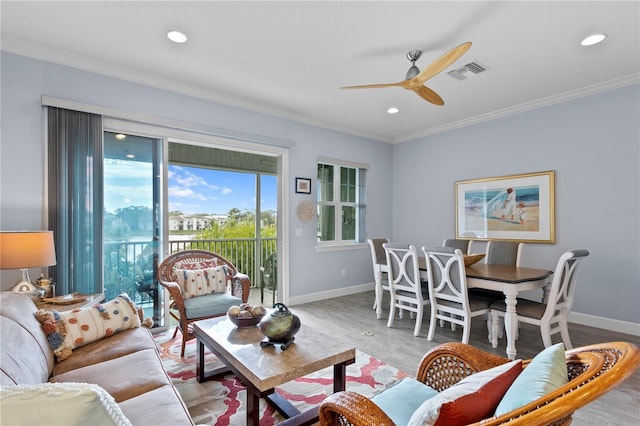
<point>75,162</point>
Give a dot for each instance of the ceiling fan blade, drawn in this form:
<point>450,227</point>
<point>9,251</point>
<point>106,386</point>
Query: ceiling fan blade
<point>442,62</point>
<point>375,86</point>
<point>429,95</point>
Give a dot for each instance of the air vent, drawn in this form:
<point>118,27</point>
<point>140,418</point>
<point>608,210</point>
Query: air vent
<point>469,70</point>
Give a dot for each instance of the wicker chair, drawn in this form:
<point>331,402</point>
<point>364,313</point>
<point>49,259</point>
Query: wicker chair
<point>592,370</point>
<point>238,283</point>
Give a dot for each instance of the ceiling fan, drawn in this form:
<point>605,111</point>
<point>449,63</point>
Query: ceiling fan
<point>415,79</point>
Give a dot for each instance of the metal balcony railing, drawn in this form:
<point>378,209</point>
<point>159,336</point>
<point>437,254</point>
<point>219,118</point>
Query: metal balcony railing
<point>129,267</point>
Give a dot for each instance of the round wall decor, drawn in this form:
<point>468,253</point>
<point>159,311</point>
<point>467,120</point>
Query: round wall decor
<point>306,211</point>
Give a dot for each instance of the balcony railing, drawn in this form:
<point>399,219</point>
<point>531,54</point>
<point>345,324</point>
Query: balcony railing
<point>129,266</point>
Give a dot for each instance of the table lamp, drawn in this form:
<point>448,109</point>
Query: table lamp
<point>26,249</point>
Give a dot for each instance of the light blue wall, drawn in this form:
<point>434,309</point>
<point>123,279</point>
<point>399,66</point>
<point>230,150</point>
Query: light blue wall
<point>593,146</point>
<point>25,80</point>
<point>591,143</point>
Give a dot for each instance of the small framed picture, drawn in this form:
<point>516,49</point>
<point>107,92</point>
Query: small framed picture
<point>303,185</point>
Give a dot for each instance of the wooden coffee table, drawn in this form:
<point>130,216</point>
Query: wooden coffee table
<point>262,369</point>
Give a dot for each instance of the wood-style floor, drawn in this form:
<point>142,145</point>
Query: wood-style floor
<point>352,319</point>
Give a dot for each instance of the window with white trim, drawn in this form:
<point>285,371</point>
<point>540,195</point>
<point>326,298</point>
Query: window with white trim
<point>341,208</point>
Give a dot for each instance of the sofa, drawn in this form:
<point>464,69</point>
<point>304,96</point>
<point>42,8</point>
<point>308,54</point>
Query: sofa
<point>127,365</point>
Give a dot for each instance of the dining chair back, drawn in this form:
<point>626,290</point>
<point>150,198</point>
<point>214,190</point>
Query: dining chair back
<point>379,260</point>
<point>550,315</point>
<point>405,285</point>
<point>448,292</point>
<point>503,253</point>
<point>462,245</point>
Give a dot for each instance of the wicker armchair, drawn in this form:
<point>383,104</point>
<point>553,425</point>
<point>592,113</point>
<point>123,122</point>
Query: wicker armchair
<point>238,283</point>
<point>593,370</point>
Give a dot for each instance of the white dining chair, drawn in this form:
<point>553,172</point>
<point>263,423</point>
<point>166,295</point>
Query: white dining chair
<point>508,253</point>
<point>379,260</point>
<point>477,247</point>
<point>504,253</point>
<point>448,292</point>
<point>551,316</point>
<point>405,286</point>
<point>462,245</point>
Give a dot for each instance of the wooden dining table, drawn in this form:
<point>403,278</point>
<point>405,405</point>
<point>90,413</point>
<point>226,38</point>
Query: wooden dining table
<point>510,280</point>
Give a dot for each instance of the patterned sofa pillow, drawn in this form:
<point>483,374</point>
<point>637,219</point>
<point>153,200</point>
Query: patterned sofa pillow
<point>71,329</point>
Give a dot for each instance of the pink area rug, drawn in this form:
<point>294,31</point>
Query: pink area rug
<point>221,402</point>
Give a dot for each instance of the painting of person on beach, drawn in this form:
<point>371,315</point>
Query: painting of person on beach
<point>503,209</point>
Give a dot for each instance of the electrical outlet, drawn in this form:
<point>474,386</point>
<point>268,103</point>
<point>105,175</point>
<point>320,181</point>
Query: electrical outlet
<point>343,272</point>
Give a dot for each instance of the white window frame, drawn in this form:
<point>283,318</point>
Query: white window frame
<point>338,204</point>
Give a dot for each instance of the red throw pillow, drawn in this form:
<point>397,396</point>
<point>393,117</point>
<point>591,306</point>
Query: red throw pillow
<point>470,400</point>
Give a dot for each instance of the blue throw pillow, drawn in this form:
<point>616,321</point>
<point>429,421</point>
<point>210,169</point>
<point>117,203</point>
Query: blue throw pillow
<point>544,374</point>
<point>402,399</point>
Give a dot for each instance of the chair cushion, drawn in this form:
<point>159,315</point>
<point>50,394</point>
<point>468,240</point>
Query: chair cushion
<point>198,282</point>
<point>470,400</point>
<point>210,305</point>
<point>544,374</point>
<point>71,329</point>
<point>403,398</point>
<point>60,404</point>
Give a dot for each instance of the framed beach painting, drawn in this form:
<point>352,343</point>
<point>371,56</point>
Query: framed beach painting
<point>516,207</point>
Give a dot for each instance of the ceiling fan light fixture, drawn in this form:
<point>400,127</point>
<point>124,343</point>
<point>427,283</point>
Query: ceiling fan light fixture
<point>393,110</point>
<point>413,71</point>
<point>593,39</point>
<point>176,36</point>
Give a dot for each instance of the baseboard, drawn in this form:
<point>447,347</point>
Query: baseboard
<point>574,317</point>
<point>330,294</point>
<point>605,323</point>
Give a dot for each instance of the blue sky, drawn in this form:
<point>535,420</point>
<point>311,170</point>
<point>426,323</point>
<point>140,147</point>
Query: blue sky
<point>195,190</point>
<point>191,190</point>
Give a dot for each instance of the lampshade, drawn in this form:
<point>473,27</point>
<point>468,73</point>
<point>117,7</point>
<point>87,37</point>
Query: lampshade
<point>26,249</point>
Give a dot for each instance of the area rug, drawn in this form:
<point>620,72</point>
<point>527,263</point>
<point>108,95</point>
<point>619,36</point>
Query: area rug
<point>221,402</point>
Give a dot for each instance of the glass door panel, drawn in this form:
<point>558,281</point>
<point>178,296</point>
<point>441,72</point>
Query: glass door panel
<point>132,212</point>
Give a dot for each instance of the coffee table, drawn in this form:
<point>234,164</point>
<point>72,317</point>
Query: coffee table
<point>262,369</point>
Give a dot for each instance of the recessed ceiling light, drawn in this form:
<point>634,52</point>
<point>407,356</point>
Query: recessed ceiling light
<point>593,39</point>
<point>130,156</point>
<point>177,36</point>
<point>120,136</point>
<point>393,110</point>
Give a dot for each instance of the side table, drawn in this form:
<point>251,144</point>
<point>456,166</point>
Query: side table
<point>91,300</point>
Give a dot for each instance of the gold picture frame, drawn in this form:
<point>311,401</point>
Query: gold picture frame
<point>515,207</point>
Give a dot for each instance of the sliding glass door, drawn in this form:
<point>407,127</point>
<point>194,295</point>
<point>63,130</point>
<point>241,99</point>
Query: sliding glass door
<point>132,220</point>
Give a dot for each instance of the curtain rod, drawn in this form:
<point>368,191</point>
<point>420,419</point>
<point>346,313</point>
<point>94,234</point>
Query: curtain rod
<point>165,122</point>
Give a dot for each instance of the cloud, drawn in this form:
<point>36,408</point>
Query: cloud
<point>177,191</point>
<point>190,179</point>
<point>126,169</point>
<point>226,190</point>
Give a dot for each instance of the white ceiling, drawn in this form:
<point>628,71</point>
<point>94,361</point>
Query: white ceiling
<point>288,59</point>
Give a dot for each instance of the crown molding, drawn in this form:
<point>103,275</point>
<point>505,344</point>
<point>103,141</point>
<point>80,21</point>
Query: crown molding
<point>165,83</point>
<point>529,106</point>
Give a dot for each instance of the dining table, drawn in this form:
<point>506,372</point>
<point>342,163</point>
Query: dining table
<point>510,280</point>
